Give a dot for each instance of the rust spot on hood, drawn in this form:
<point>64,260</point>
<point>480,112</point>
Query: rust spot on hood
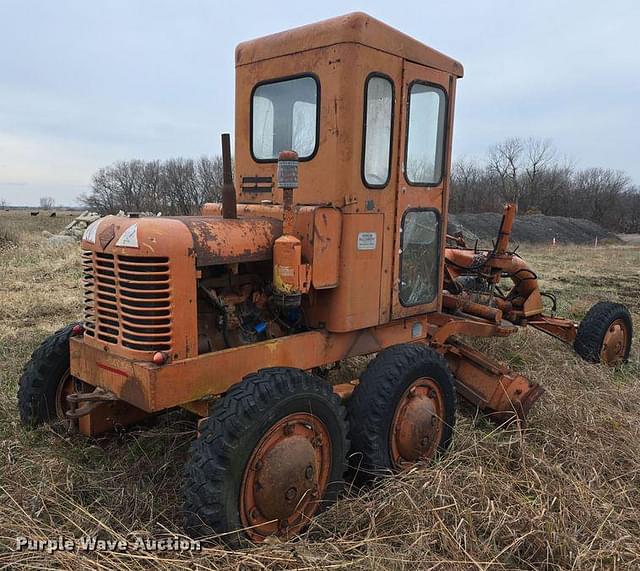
<point>218,240</point>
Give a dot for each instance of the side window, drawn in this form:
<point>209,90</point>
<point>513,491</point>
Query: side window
<point>284,117</point>
<point>419,258</point>
<point>378,116</point>
<point>425,134</point>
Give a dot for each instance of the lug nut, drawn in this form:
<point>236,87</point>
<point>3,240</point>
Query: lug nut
<point>308,473</point>
<point>291,494</point>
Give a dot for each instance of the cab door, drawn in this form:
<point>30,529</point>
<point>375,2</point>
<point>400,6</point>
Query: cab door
<point>424,157</point>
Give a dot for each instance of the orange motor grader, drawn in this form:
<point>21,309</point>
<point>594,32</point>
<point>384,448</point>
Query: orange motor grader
<point>332,243</point>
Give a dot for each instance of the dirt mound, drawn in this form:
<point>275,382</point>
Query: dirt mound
<point>533,228</point>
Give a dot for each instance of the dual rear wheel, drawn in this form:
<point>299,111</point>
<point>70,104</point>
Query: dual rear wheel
<point>274,450</point>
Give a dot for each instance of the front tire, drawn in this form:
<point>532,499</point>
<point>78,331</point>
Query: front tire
<point>403,410</point>
<point>46,381</point>
<point>271,456</point>
<point>605,333</point>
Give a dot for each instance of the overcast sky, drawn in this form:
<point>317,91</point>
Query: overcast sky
<point>86,83</point>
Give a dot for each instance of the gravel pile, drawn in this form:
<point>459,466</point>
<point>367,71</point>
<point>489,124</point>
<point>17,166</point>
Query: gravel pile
<point>533,228</point>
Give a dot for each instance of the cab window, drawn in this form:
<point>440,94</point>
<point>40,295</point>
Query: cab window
<point>284,117</point>
<point>425,134</point>
<point>378,114</point>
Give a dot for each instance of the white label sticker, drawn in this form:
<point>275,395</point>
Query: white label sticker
<point>90,233</point>
<point>367,240</point>
<point>129,238</point>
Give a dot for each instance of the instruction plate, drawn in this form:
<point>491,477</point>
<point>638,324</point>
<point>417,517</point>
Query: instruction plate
<point>367,240</point>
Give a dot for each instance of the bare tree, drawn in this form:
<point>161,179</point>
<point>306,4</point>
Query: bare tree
<point>505,163</point>
<point>47,202</point>
<point>3,203</point>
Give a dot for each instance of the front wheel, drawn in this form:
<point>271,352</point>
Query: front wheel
<point>46,381</point>
<point>605,333</point>
<point>270,457</point>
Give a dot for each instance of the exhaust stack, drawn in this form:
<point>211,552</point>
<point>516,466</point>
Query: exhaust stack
<point>229,206</point>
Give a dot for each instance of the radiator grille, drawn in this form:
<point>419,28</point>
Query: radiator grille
<point>128,300</point>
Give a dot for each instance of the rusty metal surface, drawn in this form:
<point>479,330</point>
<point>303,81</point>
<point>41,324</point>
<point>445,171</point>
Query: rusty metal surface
<point>110,416</point>
<point>227,241</point>
<point>355,304</point>
<point>524,298</point>
<point>463,303</point>
<point>117,318</point>
<point>153,388</point>
<point>286,477</point>
<point>319,229</point>
<point>563,329</point>
<point>81,404</point>
<point>443,326</point>
<point>417,424</point>
<point>327,236</point>
<point>501,393</point>
<point>614,344</point>
<point>356,28</point>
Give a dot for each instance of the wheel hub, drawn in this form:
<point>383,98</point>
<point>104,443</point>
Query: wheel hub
<point>285,477</point>
<point>417,424</point>
<point>614,345</point>
<point>66,387</point>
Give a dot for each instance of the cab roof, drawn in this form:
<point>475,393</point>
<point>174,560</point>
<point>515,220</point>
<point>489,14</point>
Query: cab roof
<point>358,28</point>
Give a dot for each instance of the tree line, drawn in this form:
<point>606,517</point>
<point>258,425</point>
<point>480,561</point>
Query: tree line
<point>528,172</point>
<point>173,187</point>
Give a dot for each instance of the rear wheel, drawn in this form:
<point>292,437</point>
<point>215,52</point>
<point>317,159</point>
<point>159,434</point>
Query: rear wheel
<point>605,333</point>
<point>270,457</point>
<point>46,381</point>
<point>403,409</point>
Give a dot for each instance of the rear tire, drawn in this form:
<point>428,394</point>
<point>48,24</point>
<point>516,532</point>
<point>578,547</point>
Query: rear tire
<point>46,380</point>
<point>402,411</point>
<point>605,334</point>
<point>273,449</point>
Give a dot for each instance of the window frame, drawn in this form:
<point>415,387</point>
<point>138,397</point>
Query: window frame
<point>316,79</point>
<point>445,134</point>
<point>438,246</point>
<point>364,129</point>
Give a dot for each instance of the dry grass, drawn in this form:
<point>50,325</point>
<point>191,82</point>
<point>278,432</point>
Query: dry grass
<point>563,494</point>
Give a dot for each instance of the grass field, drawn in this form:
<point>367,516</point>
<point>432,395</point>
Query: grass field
<point>562,494</point>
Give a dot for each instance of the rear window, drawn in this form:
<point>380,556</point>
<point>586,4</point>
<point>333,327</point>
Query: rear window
<point>284,117</point>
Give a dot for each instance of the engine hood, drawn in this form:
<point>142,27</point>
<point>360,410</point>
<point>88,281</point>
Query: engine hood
<point>212,240</point>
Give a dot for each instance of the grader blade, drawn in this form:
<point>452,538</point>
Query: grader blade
<point>501,393</point>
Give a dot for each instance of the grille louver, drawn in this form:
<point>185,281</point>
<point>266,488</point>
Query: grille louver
<point>128,300</point>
